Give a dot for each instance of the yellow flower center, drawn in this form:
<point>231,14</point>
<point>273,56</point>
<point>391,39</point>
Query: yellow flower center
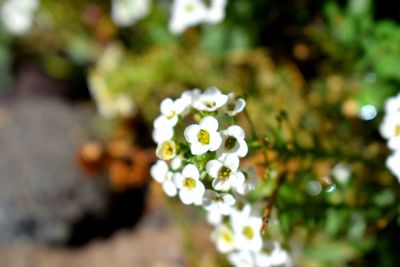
<point>230,143</point>
<point>189,8</point>
<point>166,150</point>
<point>231,106</point>
<point>204,137</point>
<point>248,232</point>
<point>227,236</point>
<point>209,104</point>
<point>397,130</point>
<point>224,173</point>
<point>189,183</point>
<point>170,115</point>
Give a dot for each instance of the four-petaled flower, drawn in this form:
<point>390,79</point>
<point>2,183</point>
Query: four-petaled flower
<point>210,100</point>
<point>203,137</point>
<point>234,106</point>
<point>225,173</point>
<point>166,150</point>
<point>191,189</point>
<point>214,202</point>
<point>223,238</point>
<point>170,110</point>
<point>233,142</point>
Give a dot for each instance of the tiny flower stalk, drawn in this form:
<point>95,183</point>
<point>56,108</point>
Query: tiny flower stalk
<point>201,164</point>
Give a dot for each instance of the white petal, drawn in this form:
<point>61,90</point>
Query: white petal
<point>221,185</point>
<point>213,167</point>
<point>169,188</point>
<point>209,123</point>
<point>228,199</point>
<point>215,141</point>
<point>236,131</point>
<point>191,171</point>
<point>232,162</point>
<point>162,134</point>
<point>186,196</point>
<point>243,149</point>
<point>198,148</point>
<point>237,179</point>
<point>167,106</point>
<point>178,180</point>
<point>159,171</point>
<point>191,133</point>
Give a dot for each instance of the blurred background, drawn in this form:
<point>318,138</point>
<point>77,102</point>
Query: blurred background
<point>80,85</point>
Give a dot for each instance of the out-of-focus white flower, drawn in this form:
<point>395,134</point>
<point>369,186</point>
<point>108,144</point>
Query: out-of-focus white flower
<point>210,100</point>
<point>214,218</point>
<point>159,171</point>
<point>191,189</point>
<point>203,137</point>
<point>278,256</point>
<point>341,172</point>
<point>170,110</point>
<point>247,235</point>
<point>124,105</point>
<point>233,142</point>
<point>187,13</point>
<point>17,15</point>
<point>250,183</point>
<point>390,129</point>
<point>234,106</point>
<point>218,203</point>
<point>127,12</point>
<point>162,134</point>
<point>225,173</point>
<point>393,164</point>
<point>244,258</point>
<point>166,150</point>
<point>216,11</point>
<point>188,97</point>
<point>392,104</point>
<point>223,238</point>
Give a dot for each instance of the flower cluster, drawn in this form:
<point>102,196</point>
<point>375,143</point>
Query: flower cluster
<point>17,15</point>
<point>199,147</point>
<point>390,130</point>
<point>184,13</point>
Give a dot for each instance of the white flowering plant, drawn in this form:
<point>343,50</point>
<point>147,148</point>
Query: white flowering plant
<point>200,147</point>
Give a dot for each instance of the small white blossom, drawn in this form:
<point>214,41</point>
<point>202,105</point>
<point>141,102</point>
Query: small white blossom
<point>218,203</point>
<point>224,238</point>
<point>170,110</point>
<point>204,136</point>
<point>234,106</point>
<point>233,142</point>
<point>160,172</point>
<point>277,257</point>
<point>390,129</point>
<point>166,150</point>
<point>191,189</point>
<point>210,100</point>
<point>216,11</point>
<point>392,104</point>
<point>187,13</point>
<point>214,218</point>
<point>247,235</point>
<point>128,12</point>
<point>225,173</point>
<point>244,258</point>
<point>393,164</point>
<point>188,97</point>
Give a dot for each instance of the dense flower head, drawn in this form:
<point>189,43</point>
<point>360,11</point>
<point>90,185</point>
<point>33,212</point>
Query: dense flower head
<point>200,148</point>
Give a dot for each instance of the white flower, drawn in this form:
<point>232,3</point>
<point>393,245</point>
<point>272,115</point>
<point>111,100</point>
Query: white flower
<point>188,97</point>
<point>223,238</point>
<point>187,13</point>
<point>214,218</point>
<point>191,189</point>
<point>203,137</point>
<point>170,110</point>
<point>250,183</point>
<point>176,162</point>
<point>166,150</point>
<point>128,12</point>
<point>225,173</point>
<point>162,134</point>
<point>159,171</point>
<point>393,164</point>
<point>17,15</point>
<point>210,100</point>
<point>245,258</point>
<point>218,203</point>
<point>392,104</point>
<point>247,235</point>
<point>341,172</point>
<point>390,129</point>
<point>216,11</point>
<point>233,142</point>
<point>233,105</point>
<point>278,256</point>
